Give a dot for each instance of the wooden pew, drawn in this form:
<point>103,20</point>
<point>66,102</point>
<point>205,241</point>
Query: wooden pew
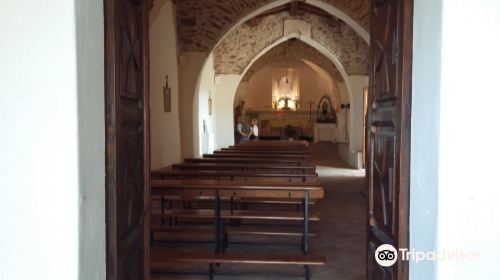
<point>243,174</point>
<point>233,189</point>
<point>159,258</point>
<point>275,143</point>
<point>244,160</point>
<point>235,175</point>
<point>261,151</point>
<point>298,157</point>
<point>244,167</point>
<point>282,147</point>
<point>262,147</point>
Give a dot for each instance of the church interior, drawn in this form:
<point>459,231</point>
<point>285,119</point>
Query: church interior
<point>249,139</point>
<point>239,65</point>
<point>300,71</point>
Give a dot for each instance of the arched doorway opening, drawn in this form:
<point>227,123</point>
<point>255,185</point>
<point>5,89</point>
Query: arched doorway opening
<point>317,76</point>
<point>229,78</point>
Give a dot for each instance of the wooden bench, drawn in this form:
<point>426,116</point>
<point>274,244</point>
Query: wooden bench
<point>262,150</point>
<point>238,189</point>
<point>235,200</point>
<point>235,214</point>
<point>282,148</point>
<point>280,143</point>
<point>210,215</point>
<point>255,172</point>
<point>243,167</point>
<point>229,229</point>
<point>297,157</point>
<point>159,258</point>
<point>234,175</point>
<point>234,189</point>
<point>243,160</point>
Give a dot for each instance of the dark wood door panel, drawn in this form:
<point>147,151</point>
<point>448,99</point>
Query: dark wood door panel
<point>388,133</point>
<point>126,138</point>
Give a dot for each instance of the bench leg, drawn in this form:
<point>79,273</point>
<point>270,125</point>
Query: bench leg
<point>223,236</point>
<point>217,222</point>
<point>162,202</point>
<point>211,271</point>
<point>226,241</point>
<point>307,272</point>
<point>305,236</point>
<point>170,206</point>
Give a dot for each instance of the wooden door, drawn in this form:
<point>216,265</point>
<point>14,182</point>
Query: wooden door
<point>388,132</point>
<point>127,138</point>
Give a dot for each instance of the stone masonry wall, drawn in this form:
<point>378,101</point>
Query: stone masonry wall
<point>243,43</point>
<point>201,23</point>
<point>294,50</point>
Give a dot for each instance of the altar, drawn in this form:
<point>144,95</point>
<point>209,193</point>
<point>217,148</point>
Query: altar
<point>325,132</point>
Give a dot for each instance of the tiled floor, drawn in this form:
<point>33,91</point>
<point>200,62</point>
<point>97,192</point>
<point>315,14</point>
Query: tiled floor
<point>340,234</point>
<point>342,230</point>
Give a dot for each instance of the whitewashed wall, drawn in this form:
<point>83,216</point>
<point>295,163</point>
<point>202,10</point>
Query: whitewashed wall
<point>454,157</point>
<point>165,126</point>
<point>190,67</point>
<point>52,118</point>
<point>91,140</point>
<point>424,171</point>
<point>257,93</point>
<point>225,89</point>
<point>469,188</point>
<point>206,89</point>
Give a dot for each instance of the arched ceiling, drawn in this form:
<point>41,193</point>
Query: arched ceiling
<point>293,50</point>
<point>202,23</point>
<point>245,42</point>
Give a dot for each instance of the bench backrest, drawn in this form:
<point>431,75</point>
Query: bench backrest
<point>193,188</point>
<point>243,167</point>
<point>233,175</point>
<point>258,151</point>
<point>250,155</point>
<point>281,161</point>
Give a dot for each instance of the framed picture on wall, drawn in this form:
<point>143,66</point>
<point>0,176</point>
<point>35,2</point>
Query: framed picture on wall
<point>209,105</point>
<point>167,97</point>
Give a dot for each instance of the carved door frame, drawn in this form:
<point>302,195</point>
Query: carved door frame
<point>127,40</point>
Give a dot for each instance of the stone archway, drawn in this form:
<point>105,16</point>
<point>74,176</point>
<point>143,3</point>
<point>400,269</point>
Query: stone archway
<point>230,83</point>
<point>204,29</point>
<point>190,92</point>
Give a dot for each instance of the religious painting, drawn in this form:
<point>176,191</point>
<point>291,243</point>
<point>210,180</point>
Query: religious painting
<point>326,113</point>
<point>167,97</point>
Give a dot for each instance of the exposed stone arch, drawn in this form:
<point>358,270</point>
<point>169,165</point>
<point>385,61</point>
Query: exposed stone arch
<point>309,42</point>
<point>202,24</point>
<point>239,46</point>
<point>293,50</point>
<point>204,39</point>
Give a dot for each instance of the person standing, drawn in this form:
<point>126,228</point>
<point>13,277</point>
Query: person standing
<point>254,130</point>
<point>241,136</point>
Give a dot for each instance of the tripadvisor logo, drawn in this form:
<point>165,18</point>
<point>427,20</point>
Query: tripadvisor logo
<point>386,255</point>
